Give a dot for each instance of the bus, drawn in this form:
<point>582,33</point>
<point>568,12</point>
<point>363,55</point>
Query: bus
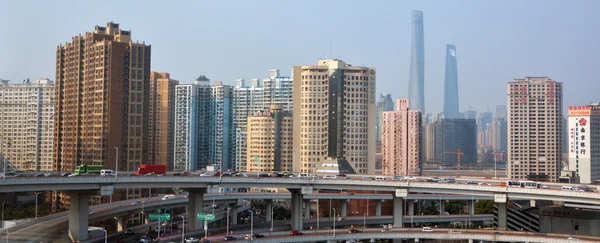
<point>523,184</point>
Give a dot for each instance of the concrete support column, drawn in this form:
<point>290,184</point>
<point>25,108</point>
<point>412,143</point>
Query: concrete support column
<point>500,199</point>
<point>233,216</point>
<point>121,222</point>
<point>344,210</point>
<point>307,209</point>
<point>297,200</point>
<point>398,202</point>
<point>269,210</point>
<point>195,206</point>
<point>411,208</point>
<point>442,207</point>
<point>78,215</point>
<point>378,207</point>
<point>472,208</point>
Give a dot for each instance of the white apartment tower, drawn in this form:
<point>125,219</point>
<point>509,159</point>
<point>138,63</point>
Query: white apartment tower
<point>534,128</point>
<point>584,135</point>
<point>334,117</point>
<point>27,125</point>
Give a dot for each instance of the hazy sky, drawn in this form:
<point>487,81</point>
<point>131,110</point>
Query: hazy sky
<point>496,41</point>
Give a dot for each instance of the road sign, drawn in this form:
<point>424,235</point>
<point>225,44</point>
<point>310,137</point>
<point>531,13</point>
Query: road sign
<point>155,216</point>
<point>203,216</point>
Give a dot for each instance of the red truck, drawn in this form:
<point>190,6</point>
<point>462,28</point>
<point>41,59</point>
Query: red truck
<point>147,169</point>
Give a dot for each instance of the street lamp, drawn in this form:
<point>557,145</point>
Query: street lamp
<point>251,224</point>
<point>182,229</point>
<point>227,232</point>
<point>318,216</point>
<point>366,214</point>
<point>158,236</point>
<point>117,163</point>
<point>272,212</point>
<point>105,236</point>
<point>333,221</point>
<point>2,214</point>
<point>142,213</point>
<point>36,205</point>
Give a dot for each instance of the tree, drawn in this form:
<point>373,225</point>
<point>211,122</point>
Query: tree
<point>484,207</point>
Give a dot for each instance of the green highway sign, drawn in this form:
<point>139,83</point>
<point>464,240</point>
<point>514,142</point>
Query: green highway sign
<point>155,216</point>
<point>203,216</point>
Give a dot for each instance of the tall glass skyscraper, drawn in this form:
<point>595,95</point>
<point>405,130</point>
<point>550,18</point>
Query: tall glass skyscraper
<point>451,84</point>
<point>416,80</point>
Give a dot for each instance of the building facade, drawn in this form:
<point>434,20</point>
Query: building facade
<point>451,84</point>
<point>221,134</point>
<point>270,137</point>
<point>401,153</point>
<point>416,80</point>
<point>384,104</point>
<point>458,136</point>
<point>101,108</point>
<point>584,134</point>
<point>320,130</point>
<point>433,142</point>
<point>27,125</point>
<point>534,128</point>
<point>161,119</point>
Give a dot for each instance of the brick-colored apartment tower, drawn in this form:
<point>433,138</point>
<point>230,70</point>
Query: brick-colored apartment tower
<point>401,140</point>
<point>102,90</point>
<point>161,119</point>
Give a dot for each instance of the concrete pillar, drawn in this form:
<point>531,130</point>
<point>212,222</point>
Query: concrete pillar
<point>121,222</point>
<point>233,216</point>
<point>472,208</point>
<point>78,215</point>
<point>378,207</point>
<point>297,200</point>
<point>307,209</point>
<point>269,210</point>
<point>411,208</point>
<point>344,210</point>
<point>500,199</point>
<point>442,207</point>
<point>195,206</point>
<point>532,203</point>
<point>398,202</point>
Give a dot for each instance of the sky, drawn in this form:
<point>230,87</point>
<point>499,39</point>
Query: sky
<point>496,40</point>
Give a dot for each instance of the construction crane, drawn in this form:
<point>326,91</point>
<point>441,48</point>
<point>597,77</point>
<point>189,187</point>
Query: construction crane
<point>458,153</point>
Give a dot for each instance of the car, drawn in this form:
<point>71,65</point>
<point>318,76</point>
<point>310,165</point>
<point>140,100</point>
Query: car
<point>258,236</point>
<point>398,178</point>
<point>329,177</point>
<point>136,202</point>
<point>427,229</point>
<point>129,232</point>
<point>484,184</point>
<point>192,240</point>
<point>411,178</point>
<point>386,229</point>
<point>572,238</point>
<point>229,237</point>
<point>167,197</point>
<point>18,171</point>
<point>149,174</point>
<point>39,175</point>
<point>215,206</point>
<point>542,186</point>
<point>497,233</point>
<point>471,183</point>
<point>206,174</point>
<point>454,232</point>
<point>295,232</point>
<point>368,178</point>
<point>351,231</point>
<point>66,174</point>
<point>72,175</point>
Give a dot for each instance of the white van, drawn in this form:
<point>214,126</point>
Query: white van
<point>329,177</point>
<point>380,178</point>
<point>107,173</point>
<point>566,188</point>
<point>303,175</point>
<point>167,197</point>
<point>427,229</point>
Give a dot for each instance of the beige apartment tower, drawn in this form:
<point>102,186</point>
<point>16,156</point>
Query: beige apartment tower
<point>334,117</point>
<point>269,144</point>
<point>401,141</point>
<point>161,119</point>
<point>535,129</point>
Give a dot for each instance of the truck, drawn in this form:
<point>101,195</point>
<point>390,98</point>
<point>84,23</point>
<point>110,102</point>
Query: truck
<point>88,169</point>
<point>152,168</point>
<point>94,232</point>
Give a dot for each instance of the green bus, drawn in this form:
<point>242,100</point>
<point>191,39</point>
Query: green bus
<point>88,169</point>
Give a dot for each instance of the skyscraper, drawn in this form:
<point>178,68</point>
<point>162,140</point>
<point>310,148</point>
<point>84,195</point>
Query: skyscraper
<point>458,134</point>
<point>401,144</point>
<point>161,119</point>
<point>584,155</point>
<point>270,138</point>
<point>334,117</point>
<point>535,128</point>
<point>451,84</point>
<point>102,89</point>
<point>416,81</point>
<point>221,134</point>
<point>384,104</point>
<point>27,124</point>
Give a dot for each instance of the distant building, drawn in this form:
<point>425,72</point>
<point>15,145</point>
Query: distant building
<point>384,104</point>
<point>499,130</point>
<point>584,136</point>
<point>535,124</point>
<point>221,134</point>
<point>161,119</point>
<point>27,125</point>
<point>401,144</point>
<point>416,79</point>
<point>433,141</point>
<point>451,84</point>
<point>270,139</point>
<point>470,114</point>
<point>501,112</point>
<point>458,134</point>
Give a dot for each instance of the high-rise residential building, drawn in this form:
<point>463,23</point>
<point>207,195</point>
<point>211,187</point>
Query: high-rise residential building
<point>161,119</point>
<point>270,138</point>
<point>384,104</point>
<point>334,117</point>
<point>27,125</point>
<point>433,142</point>
<point>534,128</point>
<point>584,135</point>
<point>458,136</point>
<point>401,140</point>
<point>416,80</point>
<point>222,135</point>
<point>102,96</point>
<point>257,97</point>
<point>192,130</point>
<point>451,84</point>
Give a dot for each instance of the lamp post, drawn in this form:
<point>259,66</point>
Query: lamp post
<point>142,213</point>
<point>117,163</point>
<point>182,229</point>
<point>318,216</point>
<point>227,232</point>
<point>158,228</point>
<point>366,214</point>
<point>251,224</point>
<point>105,236</point>
<point>333,222</point>
<point>2,214</point>
<point>36,205</point>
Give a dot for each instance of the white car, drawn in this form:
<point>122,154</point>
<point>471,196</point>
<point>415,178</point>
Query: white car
<point>329,177</point>
<point>410,178</point>
<point>167,197</point>
<point>206,174</point>
<point>427,229</point>
<point>454,232</point>
<point>544,186</point>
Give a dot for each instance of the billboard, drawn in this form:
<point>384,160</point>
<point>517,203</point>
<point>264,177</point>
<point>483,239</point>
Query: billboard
<point>579,134</point>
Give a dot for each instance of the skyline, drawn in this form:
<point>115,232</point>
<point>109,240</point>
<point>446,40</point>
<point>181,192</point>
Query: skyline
<point>493,50</point>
